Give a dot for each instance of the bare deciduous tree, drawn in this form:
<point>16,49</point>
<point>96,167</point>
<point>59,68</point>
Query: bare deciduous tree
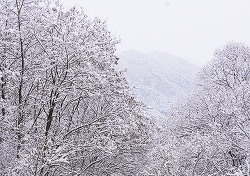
<point>65,110</point>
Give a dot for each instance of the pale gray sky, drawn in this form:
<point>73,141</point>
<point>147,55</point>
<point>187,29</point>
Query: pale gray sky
<point>190,29</point>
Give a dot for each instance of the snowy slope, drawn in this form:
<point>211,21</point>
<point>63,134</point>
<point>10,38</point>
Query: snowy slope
<point>159,79</point>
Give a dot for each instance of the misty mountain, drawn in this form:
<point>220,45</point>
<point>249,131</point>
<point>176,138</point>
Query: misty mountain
<point>159,79</point>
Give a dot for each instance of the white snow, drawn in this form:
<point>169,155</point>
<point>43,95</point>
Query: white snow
<point>159,79</point>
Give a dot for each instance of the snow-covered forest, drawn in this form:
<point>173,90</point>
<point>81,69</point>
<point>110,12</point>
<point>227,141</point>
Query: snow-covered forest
<point>71,106</point>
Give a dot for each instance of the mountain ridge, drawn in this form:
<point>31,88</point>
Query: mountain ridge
<point>160,79</point>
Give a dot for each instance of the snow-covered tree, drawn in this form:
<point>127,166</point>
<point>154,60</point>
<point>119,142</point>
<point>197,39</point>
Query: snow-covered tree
<point>213,127</point>
<point>65,110</point>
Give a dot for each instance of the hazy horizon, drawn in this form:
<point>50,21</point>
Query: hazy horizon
<point>190,29</point>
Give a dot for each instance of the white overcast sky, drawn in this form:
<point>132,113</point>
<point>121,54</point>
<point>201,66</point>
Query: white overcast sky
<point>190,29</point>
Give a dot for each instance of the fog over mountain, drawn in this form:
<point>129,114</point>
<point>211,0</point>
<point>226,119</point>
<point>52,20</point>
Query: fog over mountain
<point>159,79</point>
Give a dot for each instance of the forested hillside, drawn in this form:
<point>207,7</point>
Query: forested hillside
<point>158,79</point>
